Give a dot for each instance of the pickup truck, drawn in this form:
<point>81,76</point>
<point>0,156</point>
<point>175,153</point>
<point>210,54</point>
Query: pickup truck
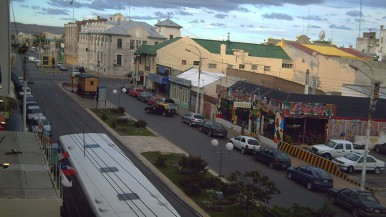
<point>336,148</point>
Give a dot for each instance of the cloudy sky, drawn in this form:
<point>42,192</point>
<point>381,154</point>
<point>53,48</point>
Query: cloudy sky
<point>246,20</point>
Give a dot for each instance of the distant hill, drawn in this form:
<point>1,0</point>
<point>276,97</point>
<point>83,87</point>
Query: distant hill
<point>35,29</point>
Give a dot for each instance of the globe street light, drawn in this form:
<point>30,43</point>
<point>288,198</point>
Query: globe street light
<point>228,146</point>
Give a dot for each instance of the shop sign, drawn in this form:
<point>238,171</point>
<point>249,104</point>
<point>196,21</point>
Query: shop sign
<point>242,105</point>
<point>310,108</point>
<point>181,81</point>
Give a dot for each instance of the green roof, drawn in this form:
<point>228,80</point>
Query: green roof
<point>255,50</point>
<point>152,49</point>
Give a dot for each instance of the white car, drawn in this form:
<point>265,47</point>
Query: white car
<point>354,161</point>
<point>246,144</point>
<point>28,91</point>
<point>40,124</point>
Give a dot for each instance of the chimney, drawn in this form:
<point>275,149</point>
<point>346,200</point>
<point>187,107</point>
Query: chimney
<point>229,36</point>
<point>307,82</point>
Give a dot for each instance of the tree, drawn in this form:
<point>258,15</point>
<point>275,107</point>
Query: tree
<point>193,165</point>
<point>252,188</point>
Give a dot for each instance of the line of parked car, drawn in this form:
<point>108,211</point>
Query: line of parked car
<point>34,116</point>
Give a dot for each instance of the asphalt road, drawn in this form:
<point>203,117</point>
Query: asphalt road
<point>67,117</point>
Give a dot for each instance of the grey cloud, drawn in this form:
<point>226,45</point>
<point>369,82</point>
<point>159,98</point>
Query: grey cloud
<point>314,26</point>
<point>221,16</point>
<point>217,24</point>
<point>278,16</point>
<point>197,21</point>
<point>163,15</point>
<point>184,13</point>
<point>354,13</point>
<point>247,26</point>
<point>53,11</point>
<point>143,18</point>
<point>35,7</point>
<point>242,9</point>
<point>24,6</point>
<point>342,27</point>
<point>311,17</point>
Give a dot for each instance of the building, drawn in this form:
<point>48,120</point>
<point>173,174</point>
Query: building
<point>107,48</point>
<point>178,55</point>
<point>368,43</point>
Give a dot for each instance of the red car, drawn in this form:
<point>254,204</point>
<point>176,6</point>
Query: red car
<point>135,92</point>
<point>154,100</point>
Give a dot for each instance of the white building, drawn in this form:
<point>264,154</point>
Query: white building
<point>107,48</point>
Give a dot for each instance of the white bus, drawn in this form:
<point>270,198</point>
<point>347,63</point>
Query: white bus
<point>113,185</point>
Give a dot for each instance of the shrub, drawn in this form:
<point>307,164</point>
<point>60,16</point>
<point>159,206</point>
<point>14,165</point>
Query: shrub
<point>120,110</point>
<point>193,165</point>
<point>191,185</point>
<point>160,162</point>
<point>122,120</point>
<point>104,117</point>
<point>140,124</point>
<point>114,124</point>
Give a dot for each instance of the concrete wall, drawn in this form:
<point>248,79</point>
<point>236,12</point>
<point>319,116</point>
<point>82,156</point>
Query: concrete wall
<point>5,49</point>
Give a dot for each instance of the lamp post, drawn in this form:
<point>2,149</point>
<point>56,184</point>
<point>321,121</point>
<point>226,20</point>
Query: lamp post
<point>228,146</point>
<point>363,176</point>
<point>199,74</point>
<point>123,90</point>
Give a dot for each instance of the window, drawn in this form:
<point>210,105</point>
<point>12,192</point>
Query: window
<point>254,67</point>
<point>119,43</point>
<point>171,36</point>
<point>348,146</point>
<point>267,68</point>
<point>119,59</point>
<point>241,66</point>
<point>156,42</point>
<point>287,66</point>
<point>196,63</point>
<point>144,42</point>
<point>212,65</point>
<point>132,44</point>
<point>339,146</point>
<point>183,62</point>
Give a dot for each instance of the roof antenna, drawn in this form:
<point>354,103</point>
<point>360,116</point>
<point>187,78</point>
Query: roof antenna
<point>360,18</point>
<point>129,10</point>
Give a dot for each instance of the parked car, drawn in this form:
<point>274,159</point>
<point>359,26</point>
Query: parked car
<point>380,148</point>
<point>33,112</point>
<point>164,109</point>
<point>154,100</point>
<point>336,148</point>
<point>63,67</point>
<point>354,161</point>
<point>273,157</point>
<point>135,92</point>
<point>359,202</point>
<point>75,72</point>
<point>27,91</point>
<point>58,64</point>
<point>40,124</point>
<point>144,96</point>
<point>311,176</point>
<point>193,119</point>
<point>246,144</point>
<point>214,129</point>
<point>38,63</point>
<point>31,59</point>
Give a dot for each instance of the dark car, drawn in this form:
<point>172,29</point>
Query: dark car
<point>380,148</point>
<point>273,157</point>
<point>144,96</point>
<point>193,119</point>
<point>311,176</point>
<point>164,109</point>
<point>214,129</point>
<point>359,202</point>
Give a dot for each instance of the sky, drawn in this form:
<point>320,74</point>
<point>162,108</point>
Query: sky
<point>250,21</point>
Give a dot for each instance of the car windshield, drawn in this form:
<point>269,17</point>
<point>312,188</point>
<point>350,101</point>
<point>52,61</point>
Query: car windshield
<point>322,174</point>
<point>330,144</point>
<point>45,122</point>
<point>36,110</point>
<point>352,157</point>
<point>368,198</point>
<point>170,106</point>
<point>199,117</point>
<point>253,142</point>
<point>217,126</point>
<point>282,156</point>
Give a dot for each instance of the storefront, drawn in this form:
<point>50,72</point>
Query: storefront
<point>180,91</point>
<point>159,83</point>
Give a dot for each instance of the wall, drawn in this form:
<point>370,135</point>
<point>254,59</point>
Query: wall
<point>5,49</point>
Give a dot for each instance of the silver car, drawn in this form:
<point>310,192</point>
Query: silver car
<point>193,119</point>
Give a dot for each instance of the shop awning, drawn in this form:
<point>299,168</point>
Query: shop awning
<point>158,78</point>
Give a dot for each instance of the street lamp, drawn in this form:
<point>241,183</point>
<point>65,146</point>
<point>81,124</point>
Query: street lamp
<point>228,146</point>
<point>123,90</point>
<point>363,177</point>
<point>199,73</point>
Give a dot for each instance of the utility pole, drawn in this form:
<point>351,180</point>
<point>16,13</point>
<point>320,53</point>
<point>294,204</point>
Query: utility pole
<point>199,76</point>
<point>307,81</point>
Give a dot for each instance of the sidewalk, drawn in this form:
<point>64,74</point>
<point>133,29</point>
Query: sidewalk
<point>140,144</point>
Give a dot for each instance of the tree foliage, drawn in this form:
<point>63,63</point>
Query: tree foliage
<point>252,188</point>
